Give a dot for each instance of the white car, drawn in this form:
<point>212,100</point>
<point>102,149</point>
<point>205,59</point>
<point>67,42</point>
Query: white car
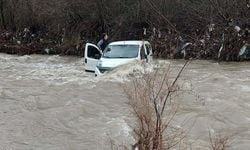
<point>116,54</point>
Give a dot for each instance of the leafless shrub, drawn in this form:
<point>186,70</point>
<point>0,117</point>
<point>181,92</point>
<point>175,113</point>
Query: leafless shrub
<point>150,97</point>
<point>114,146</point>
<point>218,142</point>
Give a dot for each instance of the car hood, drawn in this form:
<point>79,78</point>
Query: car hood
<point>113,62</point>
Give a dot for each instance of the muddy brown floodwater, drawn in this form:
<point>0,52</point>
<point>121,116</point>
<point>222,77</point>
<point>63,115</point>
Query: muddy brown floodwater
<point>49,102</point>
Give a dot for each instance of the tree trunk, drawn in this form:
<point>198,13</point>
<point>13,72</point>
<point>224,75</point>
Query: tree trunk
<point>101,20</point>
<point>3,23</point>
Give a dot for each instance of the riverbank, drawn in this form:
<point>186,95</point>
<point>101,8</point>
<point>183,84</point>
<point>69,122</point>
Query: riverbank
<point>27,42</point>
<point>216,29</point>
<point>166,44</point>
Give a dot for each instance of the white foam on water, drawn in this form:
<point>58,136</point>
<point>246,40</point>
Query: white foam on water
<point>248,119</point>
<point>25,57</point>
<point>122,125</point>
<point>122,73</point>
<point>245,88</point>
<point>62,70</point>
<point>135,69</point>
<point>52,69</point>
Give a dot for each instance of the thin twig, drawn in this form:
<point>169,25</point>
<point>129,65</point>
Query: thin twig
<point>173,84</point>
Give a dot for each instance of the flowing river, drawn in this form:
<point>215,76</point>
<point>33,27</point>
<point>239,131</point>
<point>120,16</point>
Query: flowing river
<point>50,103</point>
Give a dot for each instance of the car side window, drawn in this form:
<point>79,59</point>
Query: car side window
<point>142,52</point>
<point>93,52</point>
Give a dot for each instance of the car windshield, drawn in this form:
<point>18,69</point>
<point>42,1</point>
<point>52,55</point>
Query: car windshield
<point>121,51</point>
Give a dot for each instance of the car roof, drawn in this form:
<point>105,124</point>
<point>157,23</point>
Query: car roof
<point>129,42</point>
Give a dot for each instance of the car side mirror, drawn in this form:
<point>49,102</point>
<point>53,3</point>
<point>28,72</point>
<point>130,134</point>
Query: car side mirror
<point>109,49</point>
<point>97,56</point>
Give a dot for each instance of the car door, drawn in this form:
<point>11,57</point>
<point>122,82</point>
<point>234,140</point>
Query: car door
<point>92,56</point>
<point>149,52</point>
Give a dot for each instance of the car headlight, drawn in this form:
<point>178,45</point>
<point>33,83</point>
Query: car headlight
<point>99,64</point>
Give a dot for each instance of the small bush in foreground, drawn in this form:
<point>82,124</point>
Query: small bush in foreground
<point>150,97</point>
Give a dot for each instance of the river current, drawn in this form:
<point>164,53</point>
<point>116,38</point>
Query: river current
<point>49,102</point>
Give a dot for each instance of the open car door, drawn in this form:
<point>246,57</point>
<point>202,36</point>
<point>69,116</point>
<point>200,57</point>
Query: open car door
<point>149,52</point>
<point>92,56</point>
